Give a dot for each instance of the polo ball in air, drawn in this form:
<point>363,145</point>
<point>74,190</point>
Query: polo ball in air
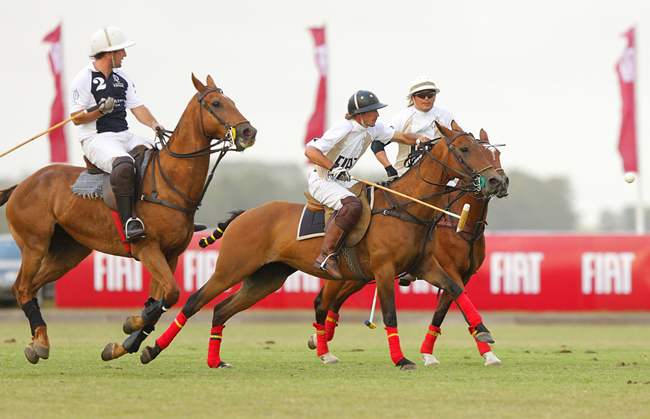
<point>629,177</point>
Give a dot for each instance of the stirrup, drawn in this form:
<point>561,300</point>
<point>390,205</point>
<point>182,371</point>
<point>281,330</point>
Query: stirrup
<point>139,223</point>
<point>322,265</point>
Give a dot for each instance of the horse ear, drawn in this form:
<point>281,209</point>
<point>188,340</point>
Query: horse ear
<point>211,82</point>
<point>483,135</point>
<point>199,86</point>
<point>444,130</point>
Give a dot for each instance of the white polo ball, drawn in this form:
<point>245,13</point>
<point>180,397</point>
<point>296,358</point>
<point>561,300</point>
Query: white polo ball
<point>629,177</point>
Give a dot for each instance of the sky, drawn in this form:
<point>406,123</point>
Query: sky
<point>538,76</point>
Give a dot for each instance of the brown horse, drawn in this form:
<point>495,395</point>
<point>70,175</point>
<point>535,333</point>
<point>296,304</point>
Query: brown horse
<point>259,247</point>
<point>56,230</point>
<point>459,255</point>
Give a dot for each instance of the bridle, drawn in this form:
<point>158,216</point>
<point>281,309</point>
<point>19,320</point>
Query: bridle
<point>467,171</point>
<point>227,144</point>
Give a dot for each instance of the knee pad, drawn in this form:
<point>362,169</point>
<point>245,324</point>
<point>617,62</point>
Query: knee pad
<point>123,176</point>
<point>350,213</point>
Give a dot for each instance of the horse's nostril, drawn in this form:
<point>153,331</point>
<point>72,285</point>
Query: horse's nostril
<point>248,132</point>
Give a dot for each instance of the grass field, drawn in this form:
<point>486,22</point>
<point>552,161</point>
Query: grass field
<point>547,372</point>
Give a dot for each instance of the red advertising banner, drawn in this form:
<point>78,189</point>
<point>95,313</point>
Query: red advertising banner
<point>551,272</point>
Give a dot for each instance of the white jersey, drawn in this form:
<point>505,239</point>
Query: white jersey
<point>346,142</point>
<point>90,86</point>
<point>421,123</point>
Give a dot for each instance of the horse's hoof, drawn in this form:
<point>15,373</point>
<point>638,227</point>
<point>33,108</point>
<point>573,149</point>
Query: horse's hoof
<point>429,360</point>
<point>41,351</point>
<point>485,337</point>
<point>405,364</point>
<point>491,360</point>
<point>328,358</point>
<point>222,364</point>
<point>132,324</point>
<point>311,342</point>
<point>113,351</point>
<point>147,355</point>
<point>30,354</point>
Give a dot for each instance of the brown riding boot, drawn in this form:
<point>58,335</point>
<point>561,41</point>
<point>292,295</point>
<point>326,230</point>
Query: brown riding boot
<point>122,181</point>
<point>337,231</point>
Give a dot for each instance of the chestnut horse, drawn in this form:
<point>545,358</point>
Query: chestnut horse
<point>460,255</point>
<point>259,248</point>
<point>56,230</point>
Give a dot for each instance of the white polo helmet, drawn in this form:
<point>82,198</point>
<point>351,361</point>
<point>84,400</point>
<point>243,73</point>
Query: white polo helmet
<point>108,39</point>
<point>420,84</point>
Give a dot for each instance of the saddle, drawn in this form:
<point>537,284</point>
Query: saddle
<point>316,216</point>
<point>138,153</point>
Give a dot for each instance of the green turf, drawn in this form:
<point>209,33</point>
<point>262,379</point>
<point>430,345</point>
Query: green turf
<point>547,372</point>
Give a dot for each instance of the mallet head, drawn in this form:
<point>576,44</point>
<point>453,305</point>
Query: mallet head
<point>369,324</point>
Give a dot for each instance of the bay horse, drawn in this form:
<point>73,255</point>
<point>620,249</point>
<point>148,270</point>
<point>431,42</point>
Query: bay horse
<point>55,229</point>
<point>460,255</point>
<point>259,249</point>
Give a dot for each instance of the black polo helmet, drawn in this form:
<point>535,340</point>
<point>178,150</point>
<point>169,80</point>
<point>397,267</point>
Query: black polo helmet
<point>364,101</point>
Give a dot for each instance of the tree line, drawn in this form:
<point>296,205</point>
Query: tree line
<point>532,204</point>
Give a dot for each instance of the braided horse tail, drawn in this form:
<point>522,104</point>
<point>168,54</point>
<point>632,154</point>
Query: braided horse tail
<point>5,194</point>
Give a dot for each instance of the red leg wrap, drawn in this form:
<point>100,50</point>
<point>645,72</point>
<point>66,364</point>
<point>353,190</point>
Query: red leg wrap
<point>468,308</point>
<point>321,340</point>
<point>171,332</point>
<point>393,343</point>
<point>482,347</point>
<point>215,346</point>
<point>331,322</point>
<point>430,340</point>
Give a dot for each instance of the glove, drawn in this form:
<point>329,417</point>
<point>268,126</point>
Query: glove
<point>106,105</point>
<point>338,173</point>
<point>392,173</point>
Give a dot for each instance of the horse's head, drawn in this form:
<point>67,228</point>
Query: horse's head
<point>222,119</point>
<point>467,159</point>
<point>493,155</point>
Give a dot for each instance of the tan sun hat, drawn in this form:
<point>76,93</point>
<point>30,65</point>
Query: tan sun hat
<point>420,84</point>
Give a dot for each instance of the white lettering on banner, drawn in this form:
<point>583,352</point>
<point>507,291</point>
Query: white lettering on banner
<point>301,282</point>
<point>419,287</point>
<point>604,272</point>
<point>515,273</point>
<point>115,274</point>
<point>198,267</point>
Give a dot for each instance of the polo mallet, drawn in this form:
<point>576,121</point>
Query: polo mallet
<point>369,323</point>
<point>94,108</point>
<point>462,218</point>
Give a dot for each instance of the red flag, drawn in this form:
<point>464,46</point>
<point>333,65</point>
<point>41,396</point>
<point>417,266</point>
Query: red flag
<point>316,126</point>
<point>626,75</point>
<point>58,146</point>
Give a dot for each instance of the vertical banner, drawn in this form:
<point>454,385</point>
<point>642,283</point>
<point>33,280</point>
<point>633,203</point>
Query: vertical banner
<point>626,74</point>
<point>59,151</point>
<point>316,126</point>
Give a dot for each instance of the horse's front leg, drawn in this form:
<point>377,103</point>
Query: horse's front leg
<point>153,307</point>
<point>385,280</point>
<point>162,272</point>
<point>436,276</point>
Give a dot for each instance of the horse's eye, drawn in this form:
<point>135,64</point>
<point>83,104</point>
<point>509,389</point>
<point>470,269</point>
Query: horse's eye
<point>464,149</point>
<point>216,103</point>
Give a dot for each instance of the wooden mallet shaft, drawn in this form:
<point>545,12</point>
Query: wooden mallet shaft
<point>462,218</point>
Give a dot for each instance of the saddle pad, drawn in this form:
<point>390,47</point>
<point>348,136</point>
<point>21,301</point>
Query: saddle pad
<point>312,224</point>
<point>89,186</point>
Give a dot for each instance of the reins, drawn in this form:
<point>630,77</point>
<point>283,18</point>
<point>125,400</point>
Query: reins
<point>227,143</point>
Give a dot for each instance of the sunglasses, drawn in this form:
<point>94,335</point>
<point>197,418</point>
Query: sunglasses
<point>425,95</point>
